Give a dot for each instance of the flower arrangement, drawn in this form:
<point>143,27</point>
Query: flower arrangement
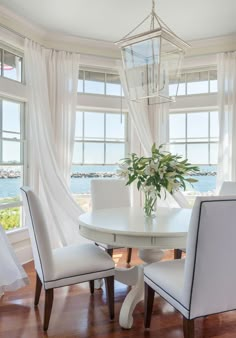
<point>161,170</point>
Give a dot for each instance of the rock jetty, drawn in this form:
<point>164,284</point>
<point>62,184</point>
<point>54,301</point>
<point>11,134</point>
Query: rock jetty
<point>93,175</point>
<point>16,174</point>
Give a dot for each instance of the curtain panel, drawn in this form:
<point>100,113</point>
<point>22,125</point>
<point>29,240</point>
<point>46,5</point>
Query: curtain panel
<point>51,78</point>
<point>12,274</point>
<point>150,125</point>
<point>227,117</point>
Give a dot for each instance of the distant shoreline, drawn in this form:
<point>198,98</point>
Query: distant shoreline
<point>12,175</point>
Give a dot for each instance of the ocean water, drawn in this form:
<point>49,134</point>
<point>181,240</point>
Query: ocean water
<point>9,187</point>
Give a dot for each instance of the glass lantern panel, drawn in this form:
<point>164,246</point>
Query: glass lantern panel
<point>170,73</point>
<point>141,64</point>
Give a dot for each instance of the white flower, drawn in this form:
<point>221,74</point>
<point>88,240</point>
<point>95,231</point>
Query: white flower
<point>151,169</point>
<point>162,171</point>
<point>123,171</point>
<point>173,163</point>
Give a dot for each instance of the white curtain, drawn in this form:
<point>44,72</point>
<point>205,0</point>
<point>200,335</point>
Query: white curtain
<point>12,275</point>
<point>151,125</point>
<point>51,78</point>
<point>227,118</point>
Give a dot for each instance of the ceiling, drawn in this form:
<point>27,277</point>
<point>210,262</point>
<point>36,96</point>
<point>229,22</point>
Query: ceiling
<point>110,20</point>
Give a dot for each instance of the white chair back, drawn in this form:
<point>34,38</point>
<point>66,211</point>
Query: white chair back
<point>38,234</point>
<point>210,276</point>
<point>228,188</point>
<point>109,193</point>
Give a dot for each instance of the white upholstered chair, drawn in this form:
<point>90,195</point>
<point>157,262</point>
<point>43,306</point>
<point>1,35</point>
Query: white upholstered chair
<point>63,266</point>
<point>228,188</point>
<point>110,193</point>
<point>204,282</point>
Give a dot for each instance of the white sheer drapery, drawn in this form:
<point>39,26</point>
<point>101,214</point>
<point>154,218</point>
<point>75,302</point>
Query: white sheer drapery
<point>62,86</point>
<point>227,118</point>
<point>151,124</point>
<point>51,78</point>
<point>12,275</point>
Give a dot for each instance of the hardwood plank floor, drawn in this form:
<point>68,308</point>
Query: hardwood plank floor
<point>76,313</point>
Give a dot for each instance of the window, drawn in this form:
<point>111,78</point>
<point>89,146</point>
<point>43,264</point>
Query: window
<point>11,162</point>
<point>197,82</point>
<point>94,82</point>
<point>11,65</point>
<point>100,142</point>
<point>100,138</point>
<point>195,135</point>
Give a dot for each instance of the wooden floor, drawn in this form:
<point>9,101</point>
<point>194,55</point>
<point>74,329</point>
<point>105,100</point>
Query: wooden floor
<point>76,313</point>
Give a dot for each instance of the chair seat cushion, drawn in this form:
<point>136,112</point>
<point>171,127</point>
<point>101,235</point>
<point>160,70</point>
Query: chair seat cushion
<point>108,246</point>
<point>79,263</point>
<point>167,279</point>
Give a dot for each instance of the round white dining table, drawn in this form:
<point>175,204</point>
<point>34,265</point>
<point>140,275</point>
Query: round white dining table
<point>128,227</point>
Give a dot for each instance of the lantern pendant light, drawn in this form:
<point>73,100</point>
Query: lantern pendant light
<point>152,61</point>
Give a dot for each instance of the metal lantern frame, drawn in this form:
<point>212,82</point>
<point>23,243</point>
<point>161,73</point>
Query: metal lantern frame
<point>153,72</point>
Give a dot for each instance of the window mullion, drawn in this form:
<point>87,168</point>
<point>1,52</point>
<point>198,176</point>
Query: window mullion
<point>105,123</point>
<point>209,139</point>
<point>1,143</point>
<point>1,62</point>
<point>83,122</point>
<point>105,84</point>
<point>186,135</point>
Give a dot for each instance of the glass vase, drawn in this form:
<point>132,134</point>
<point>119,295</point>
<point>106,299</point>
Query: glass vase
<point>149,207</point>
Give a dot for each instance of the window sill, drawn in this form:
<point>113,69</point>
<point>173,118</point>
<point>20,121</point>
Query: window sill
<point>18,235</point>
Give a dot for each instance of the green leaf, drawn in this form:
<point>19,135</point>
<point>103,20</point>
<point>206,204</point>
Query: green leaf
<point>191,180</point>
<point>139,184</point>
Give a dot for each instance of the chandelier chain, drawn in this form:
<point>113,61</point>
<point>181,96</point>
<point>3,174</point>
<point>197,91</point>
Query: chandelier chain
<point>153,6</point>
<point>154,18</point>
<point>137,26</point>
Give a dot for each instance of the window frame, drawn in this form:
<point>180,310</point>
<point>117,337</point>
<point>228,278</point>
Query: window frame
<point>104,140</point>
<point>22,163</point>
<point>193,71</point>
<point>186,112</point>
<point>15,52</point>
<point>101,71</point>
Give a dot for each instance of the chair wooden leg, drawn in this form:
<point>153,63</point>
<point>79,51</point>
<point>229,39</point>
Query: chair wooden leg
<point>129,254</point>
<point>148,305</point>
<point>188,327</point>
<point>91,286</point>
<point>38,288</point>
<point>110,252</point>
<point>177,253</point>
<point>109,281</point>
<point>47,308</point>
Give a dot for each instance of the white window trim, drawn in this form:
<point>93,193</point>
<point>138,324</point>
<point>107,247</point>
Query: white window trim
<point>204,141</point>
<point>104,140</point>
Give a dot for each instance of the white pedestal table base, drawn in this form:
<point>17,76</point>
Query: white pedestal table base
<point>134,276</point>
